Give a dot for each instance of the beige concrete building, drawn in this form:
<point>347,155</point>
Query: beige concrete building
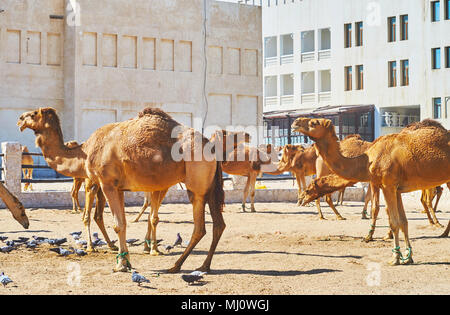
<point>102,61</point>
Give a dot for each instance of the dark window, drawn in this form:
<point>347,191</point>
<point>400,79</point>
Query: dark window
<point>436,58</point>
<point>359,33</point>
<point>405,72</point>
<point>348,78</point>
<point>392,21</point>
<point>435,11</point>
<point>360,79</point>
<point>348,35</point>
<point>437,108</point>
<point>447,9</point>
<point>392,74</point>
<point>403,27</point>
<point>447,56</point>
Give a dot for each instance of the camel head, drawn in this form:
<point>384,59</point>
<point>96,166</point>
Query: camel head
<point>18,213</point>
<point>230,139</point>
<point>315,128</point>
<point>38,120</point>
<point>288,152</point>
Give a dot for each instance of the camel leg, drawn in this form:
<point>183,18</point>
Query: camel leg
<point>25,186</point>
<point>91,191</point>
<point>330,203</point>
<point>375,196</point>
<point>433,209</point>
<point>116,202</point>
<point>98,218</point>
<point>424,199</point>
<point>404,228</point>
<point>74,193</point>
<point>397,221</point>
<point>367,198</point>
<point>144,207</point>
<point>156,199</point>
<point>447,231</point>
<point>252,191</point>
<point>340,199</point>
<point>218,228</point>
<point>30,176</point>
<point>246,189</point>
<point>198,203</point>
<point>300,189</point>
<point>319,210</point>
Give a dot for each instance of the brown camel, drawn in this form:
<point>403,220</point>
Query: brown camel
<point>14,205</point>
<point>77,182</point>
<point>241,159</point>
<point>27,172</point>
<point>132,156</point>
<point>300,161</point>
<point>414,159</point>
<point>69,161</point>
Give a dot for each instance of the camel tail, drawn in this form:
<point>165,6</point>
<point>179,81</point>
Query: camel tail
<point>216,198</point>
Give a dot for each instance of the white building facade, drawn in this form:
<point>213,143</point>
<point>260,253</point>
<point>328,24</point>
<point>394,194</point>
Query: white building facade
<point>386,61</point>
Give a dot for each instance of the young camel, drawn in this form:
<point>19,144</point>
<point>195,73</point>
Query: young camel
<point>27,172</point>
<point>69,161</point>
<point>132,156</point>
<point>241,159</point>
<point>15,206</point>
<point>415,159</point>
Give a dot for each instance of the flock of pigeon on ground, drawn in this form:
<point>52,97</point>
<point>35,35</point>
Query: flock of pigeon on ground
<point>33,243</point>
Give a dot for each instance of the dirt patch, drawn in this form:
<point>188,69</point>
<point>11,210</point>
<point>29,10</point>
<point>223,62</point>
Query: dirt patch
<point>280,249</point>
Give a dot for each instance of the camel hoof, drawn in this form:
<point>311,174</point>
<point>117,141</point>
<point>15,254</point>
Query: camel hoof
<point>409,261</point>
<point>174,269</point>
<point>394,262</point>
<point>156,253</point>
<point>322,218</point>
<point>438,225</point>
<point>341,218</point>
<point>121,268</point>
<point>253,210</point>
<point>443,235</point>
<point>91,250</point>
<point>114,248</point>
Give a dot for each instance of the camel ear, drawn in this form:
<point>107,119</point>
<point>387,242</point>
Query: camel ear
<point>40,112</point>
<point>328,123</point>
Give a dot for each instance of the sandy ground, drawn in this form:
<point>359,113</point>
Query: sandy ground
<point>281,249</point>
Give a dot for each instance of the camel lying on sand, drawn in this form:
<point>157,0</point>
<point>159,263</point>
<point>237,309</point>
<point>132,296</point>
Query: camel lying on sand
<point>416,158</point>
<point>139,155</point>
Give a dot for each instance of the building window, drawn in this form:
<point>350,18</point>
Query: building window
<point>447,9</point>
<point>405,72</point>
<point>447,56</point>
<point>404,27</point>
<point>348,35</point>
<point>392,74</point>
<point>435,11</point>
<point>348,78</point>
<point>437,108</point>
<point>359,33</point>
<point>436,58</point>
<point>392,21</point>
<point>360,79</point>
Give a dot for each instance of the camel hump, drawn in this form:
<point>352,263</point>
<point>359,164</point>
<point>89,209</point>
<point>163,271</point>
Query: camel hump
<point>426,123</point>
<point>25,149</point>
<point>154,112</point>
<point>356,136</point>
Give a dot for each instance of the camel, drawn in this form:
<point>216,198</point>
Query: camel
<point>141,155</point>
<point>15,206</point>
<point>241,159</point>
<point>68,160</point>
<point>77,182</point>
<point>27,172</point>
<point>416,158</point>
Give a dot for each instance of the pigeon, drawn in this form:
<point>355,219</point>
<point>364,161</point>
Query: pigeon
<point>75,233</point>
<point>11,243</point>
<point>31,244</point>
<point>23,239</point>
<point>39,239</point>
<point>193,276</point>
<point>178,241</point>
<point>81,242</point>
<point>57,241</point>
<point>97,241</point>
<point>6,249</point>
<point>61,251</point>
<point>4,279</point>
<point>3,238</point>
<point>131,241</point>
<point>79,252</point>
<point>168,247</point>
<point>136,277</point>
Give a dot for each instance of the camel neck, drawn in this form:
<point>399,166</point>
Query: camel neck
<point>355,169</point>
<point>64,160</point>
